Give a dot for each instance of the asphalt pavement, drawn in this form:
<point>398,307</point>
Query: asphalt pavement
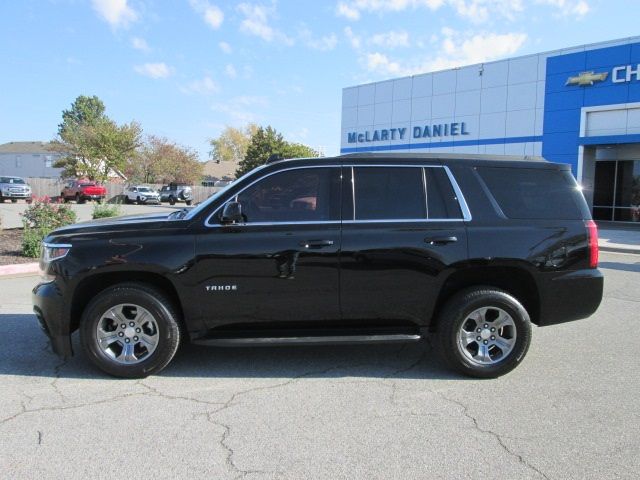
<point>570,411</point>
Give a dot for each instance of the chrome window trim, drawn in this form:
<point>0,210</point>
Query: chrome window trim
<point>466,213</point>
<point>462,203</point>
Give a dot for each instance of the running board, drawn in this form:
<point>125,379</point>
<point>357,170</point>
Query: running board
<point>315,340</point>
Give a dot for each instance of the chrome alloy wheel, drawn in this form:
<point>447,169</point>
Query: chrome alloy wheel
<point>487,335</point>
<point>127,334</point>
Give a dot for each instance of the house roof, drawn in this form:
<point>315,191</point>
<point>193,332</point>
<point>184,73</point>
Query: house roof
<point>219,170</point>
<point>26,147</point>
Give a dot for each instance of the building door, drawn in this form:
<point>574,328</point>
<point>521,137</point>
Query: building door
<point>616,195</point>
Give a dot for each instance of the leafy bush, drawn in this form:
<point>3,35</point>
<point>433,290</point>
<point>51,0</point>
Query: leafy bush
<point>105,210</point>
<point>41,218</point>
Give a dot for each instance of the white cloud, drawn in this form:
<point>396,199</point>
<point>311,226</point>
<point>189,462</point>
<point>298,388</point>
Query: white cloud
<point>463,49</point>
<point>577,8</point>
<point>225,47</point>
<point>457,49</point>
<point>379,62</point>
<point>230,71</point>
<point>354,40</point>
<point>476,11</point>
<point>154,70</point>
<point>391,39</point>
<point>256,23</point>
<point>140,44</point>
<point>241,109</point>
<point>116,13</point>
<point>326,43</point>
<point>353,9</point>
<point>204,86</point>
<point>211,13</point>
<point>347,11</point>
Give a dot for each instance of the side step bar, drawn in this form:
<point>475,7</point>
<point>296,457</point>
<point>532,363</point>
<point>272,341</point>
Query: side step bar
<point>315,340</point>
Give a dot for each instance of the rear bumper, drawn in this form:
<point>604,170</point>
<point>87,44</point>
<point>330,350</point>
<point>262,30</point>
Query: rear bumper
<point>48,306</point>
<point>571,296</point>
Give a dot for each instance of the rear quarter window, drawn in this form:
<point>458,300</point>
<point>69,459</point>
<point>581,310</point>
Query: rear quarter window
<point>532,193</point>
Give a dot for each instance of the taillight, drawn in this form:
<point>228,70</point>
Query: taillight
<point>592,230</point>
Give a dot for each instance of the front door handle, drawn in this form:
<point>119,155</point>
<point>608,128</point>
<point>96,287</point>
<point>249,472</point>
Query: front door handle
<point>310,244</point>
<point>440,240</point>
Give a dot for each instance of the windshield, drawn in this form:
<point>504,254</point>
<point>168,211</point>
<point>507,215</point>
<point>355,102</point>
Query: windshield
<point>195,211</point>
<point>87,184</point>
<point>144,189</point>
<point>11,180</point>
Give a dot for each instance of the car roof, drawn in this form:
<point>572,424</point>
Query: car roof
<point>369,158</point>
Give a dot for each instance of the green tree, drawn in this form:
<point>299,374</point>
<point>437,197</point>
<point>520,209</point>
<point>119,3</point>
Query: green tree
<point>161,160</point>
<point>267,142</point>
<point>84,111</point>
<point>92,144</point>
<point>231,145</point>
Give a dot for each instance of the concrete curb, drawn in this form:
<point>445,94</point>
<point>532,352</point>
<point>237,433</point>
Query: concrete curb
<point>632,251</point>
<point>19,269</point>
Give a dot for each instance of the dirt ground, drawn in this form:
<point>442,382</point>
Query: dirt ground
<point>11,246</point>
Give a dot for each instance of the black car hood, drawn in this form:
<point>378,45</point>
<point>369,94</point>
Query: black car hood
<point>149,221</point>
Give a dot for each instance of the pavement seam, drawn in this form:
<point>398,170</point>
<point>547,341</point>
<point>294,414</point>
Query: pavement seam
<point>497,436</point>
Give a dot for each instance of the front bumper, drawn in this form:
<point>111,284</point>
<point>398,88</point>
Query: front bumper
<point>571,296</point>
<point>92,197</point>
<point>48,306</point>
<point>16,194</point>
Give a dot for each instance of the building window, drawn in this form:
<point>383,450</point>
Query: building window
<point>48,161</point>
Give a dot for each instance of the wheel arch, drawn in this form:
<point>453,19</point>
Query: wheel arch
<point>515,280</point>
<point>93,285</point>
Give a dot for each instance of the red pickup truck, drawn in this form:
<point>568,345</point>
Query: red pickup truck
<point>83,190</point>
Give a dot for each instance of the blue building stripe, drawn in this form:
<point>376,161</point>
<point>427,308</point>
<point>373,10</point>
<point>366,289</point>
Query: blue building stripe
<point>461,143</point>
<point>609,139</point>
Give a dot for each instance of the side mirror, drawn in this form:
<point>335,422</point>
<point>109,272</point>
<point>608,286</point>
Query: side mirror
<point>232,213</point>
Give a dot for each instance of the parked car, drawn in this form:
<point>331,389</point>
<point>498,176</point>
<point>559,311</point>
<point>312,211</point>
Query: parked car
<point>83,190</point>
<point>176,192</point>
<point>470,250</point>
<point>141,194</point>
<point>14,189</point>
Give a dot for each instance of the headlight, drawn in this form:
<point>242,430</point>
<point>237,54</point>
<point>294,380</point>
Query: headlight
<point>54,251</point>
<point>51,252</point>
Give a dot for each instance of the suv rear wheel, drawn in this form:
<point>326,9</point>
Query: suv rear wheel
<point>130,330</point>
<point>483,332</point>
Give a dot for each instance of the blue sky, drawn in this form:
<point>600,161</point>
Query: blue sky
<point>186,68</point>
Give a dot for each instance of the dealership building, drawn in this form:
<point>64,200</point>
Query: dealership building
<point>579,106</point>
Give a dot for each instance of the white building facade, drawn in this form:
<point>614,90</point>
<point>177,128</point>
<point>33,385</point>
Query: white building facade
<point>579,106</point>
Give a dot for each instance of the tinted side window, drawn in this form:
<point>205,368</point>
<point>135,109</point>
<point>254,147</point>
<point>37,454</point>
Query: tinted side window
<point>389,193</point>
<point>531,193</point>
<point>441,199</point>
<point>302,195</point>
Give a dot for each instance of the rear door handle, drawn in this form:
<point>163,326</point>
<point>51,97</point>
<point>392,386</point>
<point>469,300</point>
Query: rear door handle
<point>440,240</point>
<point>316,243</point>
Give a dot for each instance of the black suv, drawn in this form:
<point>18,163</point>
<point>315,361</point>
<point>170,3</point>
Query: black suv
<point>356,248</point>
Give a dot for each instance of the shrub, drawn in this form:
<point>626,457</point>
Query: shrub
<point>41,218</point>
<point>106,210</point>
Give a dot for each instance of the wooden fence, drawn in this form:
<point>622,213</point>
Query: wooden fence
<point>52,187</point>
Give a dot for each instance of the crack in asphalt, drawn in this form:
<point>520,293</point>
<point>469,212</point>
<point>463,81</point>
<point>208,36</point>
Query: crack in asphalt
<point>39,437</point>
<point>497,436</point>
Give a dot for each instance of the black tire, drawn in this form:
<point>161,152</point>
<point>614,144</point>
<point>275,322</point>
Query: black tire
<point>455,315</point>
<point>1,199</point>
<point>172,200</point>
<point>138,202</point>
<point>78,199</point>
<point>140,295</point>
<point>188,202</point>
<point>14,200</point>
<point>127,200</point>
<point>64,199</point>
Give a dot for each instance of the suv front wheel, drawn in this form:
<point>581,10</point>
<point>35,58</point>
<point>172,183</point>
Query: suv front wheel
<point>483,332</point>
<point>130,330</point>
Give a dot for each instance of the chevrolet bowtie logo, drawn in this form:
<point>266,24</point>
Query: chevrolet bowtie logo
<point>587,78</point>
